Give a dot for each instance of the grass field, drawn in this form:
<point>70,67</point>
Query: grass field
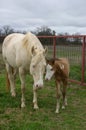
<point>12,117</point>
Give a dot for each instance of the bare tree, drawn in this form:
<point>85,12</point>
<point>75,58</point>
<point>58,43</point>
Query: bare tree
<point>44,30</point>
<point>0,31</point>
<point>7,30</point>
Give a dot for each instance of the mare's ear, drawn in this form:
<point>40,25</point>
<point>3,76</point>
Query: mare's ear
<point>33,51</point>
<point>25,41</point>
<point>45,50</point>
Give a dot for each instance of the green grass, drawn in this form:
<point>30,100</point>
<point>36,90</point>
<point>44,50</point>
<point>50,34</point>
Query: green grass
<point>75,72</point>
<point>12,117</point>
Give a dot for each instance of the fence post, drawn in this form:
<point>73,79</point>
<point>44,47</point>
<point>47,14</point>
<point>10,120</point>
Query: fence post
<point>54,47</point>
<point>83,60</point>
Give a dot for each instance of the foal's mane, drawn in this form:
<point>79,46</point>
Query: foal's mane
<point>52,60</point>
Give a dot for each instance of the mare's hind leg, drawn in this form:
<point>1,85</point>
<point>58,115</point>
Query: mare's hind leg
<point>11,79</point>
<point>64,91</point>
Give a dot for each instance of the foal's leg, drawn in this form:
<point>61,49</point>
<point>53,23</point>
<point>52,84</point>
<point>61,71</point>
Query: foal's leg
<point>58,96</point>
<point>11,79</point>
<point>35,98</point>
<point>22,79</point>
<point>64,90</point>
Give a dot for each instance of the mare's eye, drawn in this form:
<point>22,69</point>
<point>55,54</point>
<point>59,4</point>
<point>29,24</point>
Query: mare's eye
<point>33,66</point>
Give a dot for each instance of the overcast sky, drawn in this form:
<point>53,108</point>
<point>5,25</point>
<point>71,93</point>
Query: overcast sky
<point>59,15</point>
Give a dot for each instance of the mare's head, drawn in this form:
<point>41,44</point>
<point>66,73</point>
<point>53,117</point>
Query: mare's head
<point>37,66</point>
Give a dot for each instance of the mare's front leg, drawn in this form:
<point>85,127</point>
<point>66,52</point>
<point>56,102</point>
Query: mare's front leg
<point>58,91</point>
<point>22,79</point>
<point>35,97</point>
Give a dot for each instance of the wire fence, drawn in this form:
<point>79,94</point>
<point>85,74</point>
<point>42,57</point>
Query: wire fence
<point>71,47</point>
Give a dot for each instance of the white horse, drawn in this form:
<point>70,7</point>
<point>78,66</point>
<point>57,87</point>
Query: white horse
<point>26,54</point>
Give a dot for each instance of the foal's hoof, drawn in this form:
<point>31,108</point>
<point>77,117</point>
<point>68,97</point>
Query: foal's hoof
<point>22,105</point>
<point>63,107</point>
<point>57,111</point>
<point>36,107</point>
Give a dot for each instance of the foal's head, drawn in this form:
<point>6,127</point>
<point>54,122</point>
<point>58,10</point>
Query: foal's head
<point>49,69</point>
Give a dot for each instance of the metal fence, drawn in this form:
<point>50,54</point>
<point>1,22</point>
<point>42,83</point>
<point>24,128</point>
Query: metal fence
<point>73,48</point>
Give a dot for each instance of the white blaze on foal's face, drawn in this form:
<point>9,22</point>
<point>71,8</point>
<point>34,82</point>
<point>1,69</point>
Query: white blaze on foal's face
<point>49,72</point>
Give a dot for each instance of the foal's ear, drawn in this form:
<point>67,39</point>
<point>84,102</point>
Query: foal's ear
<point>53,61</point>
<point>47,60</point>
<point>50,61</point>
